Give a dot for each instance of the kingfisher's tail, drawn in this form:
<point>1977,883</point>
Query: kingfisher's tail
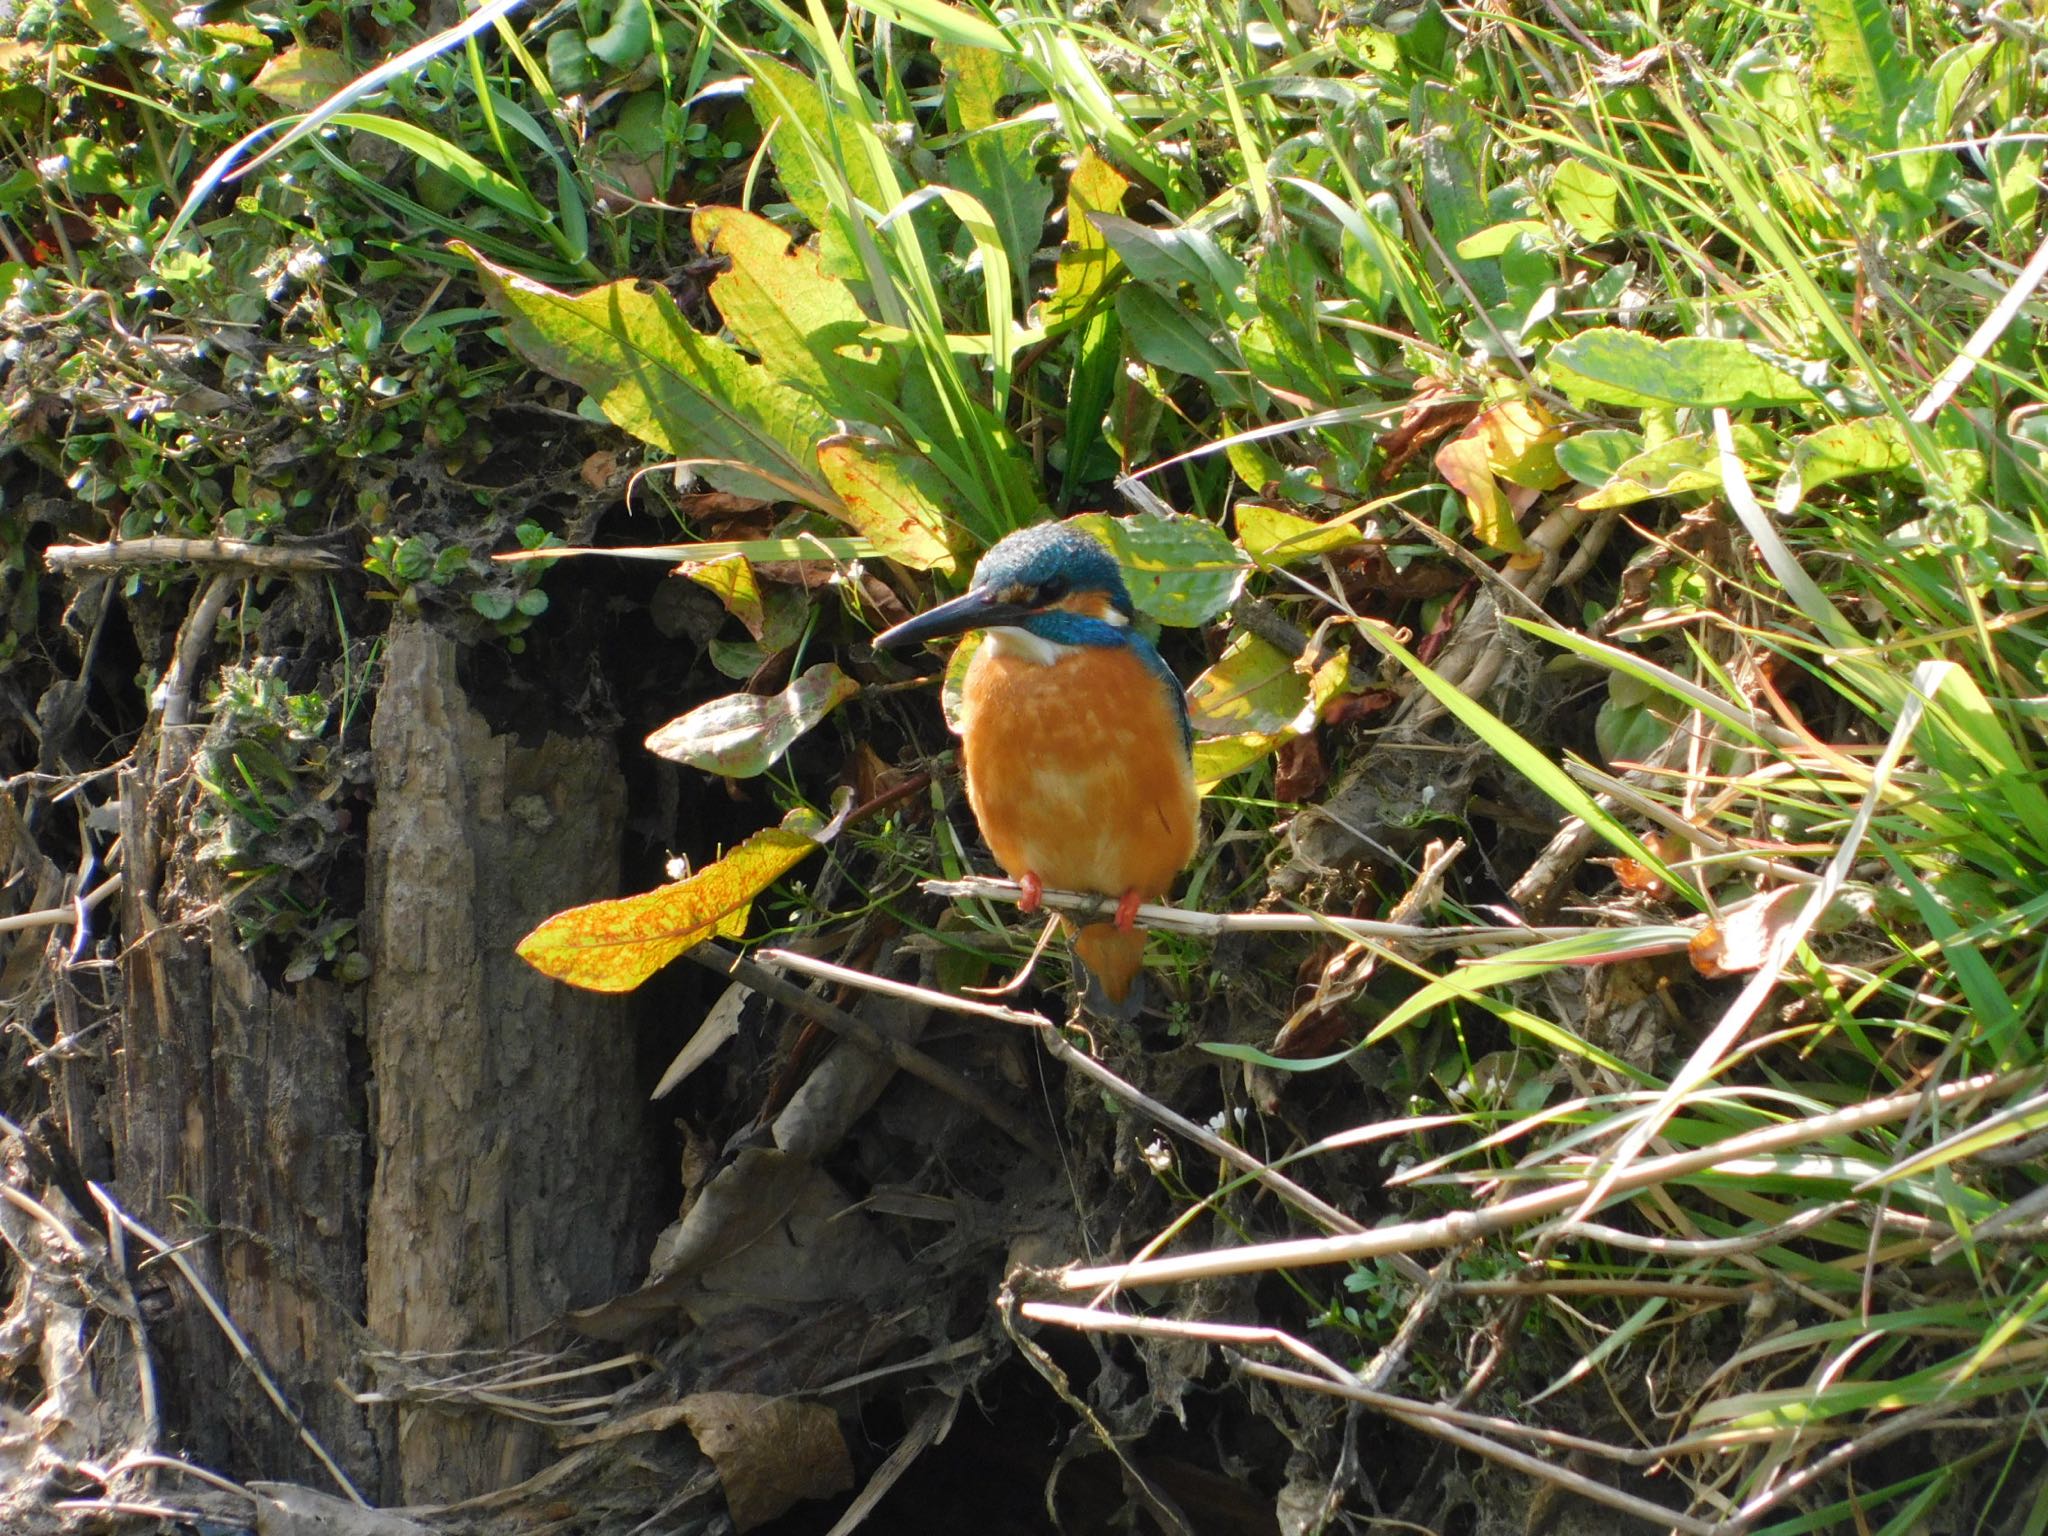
<point>1115,963</point>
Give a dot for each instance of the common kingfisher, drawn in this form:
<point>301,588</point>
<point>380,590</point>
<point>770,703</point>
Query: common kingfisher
<point>1075,738</point>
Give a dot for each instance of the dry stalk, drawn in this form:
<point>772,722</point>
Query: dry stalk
<point>1079,1061</point>
<point>1458,1227</point>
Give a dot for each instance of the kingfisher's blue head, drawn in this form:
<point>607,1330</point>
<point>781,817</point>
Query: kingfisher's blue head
<point>1053,582</point>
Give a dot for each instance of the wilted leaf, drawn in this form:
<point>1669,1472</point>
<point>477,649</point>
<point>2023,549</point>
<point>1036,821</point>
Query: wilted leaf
<point>1181,570</point>
<point>613,946</point>
<point>1298,770</point>
<point>1273,537</point>
<point>782,306</point>
<point>301,78</point>
<point>719,1024</point>
<point>1740,938</point>
<point>770,1452</point>
<point>1583,196</point>
<point>897,498</point>
<point>1617,367</point>
<point>1514,440</point>
<point>744,734</point>
<point>690,395</point>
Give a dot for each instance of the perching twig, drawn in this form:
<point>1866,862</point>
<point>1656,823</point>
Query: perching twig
<point>1214,924</point>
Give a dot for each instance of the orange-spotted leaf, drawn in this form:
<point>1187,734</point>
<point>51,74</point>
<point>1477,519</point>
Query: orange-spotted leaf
<point>897,498</point>
<point>613,946</point>
<point>744,734</point>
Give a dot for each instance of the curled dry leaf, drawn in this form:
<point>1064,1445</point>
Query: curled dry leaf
<point>744,734</point>
<point>770,1452</point>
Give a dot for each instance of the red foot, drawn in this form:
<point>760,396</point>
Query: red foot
<point>1127,912</point>
<point>1034,892</point>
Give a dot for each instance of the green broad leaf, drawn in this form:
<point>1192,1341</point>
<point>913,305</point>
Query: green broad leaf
<point>1453,191</point>
<point>1870,446</point>
<point>745,734</point>
<point>1678,466</point>
<point>1253,686</point>
<point>804,325</point>
<point>1496,238</point>
<point>298,77</point>
<point>897,499</point>
<point>812,137</point>
<point>1163,332</point>
<point>1181,570</point>
<point>627,40</point>
<point>1218,758</point>
<point>1276,538</point>
<point>785,611</point>
<point>1858,76</point>
<point>1611,366</point>
<point>1927,117</point>
<point>1629,727</point>
<point>1091,391</point>
<point>451,161</point>
<point>1592,458</point>
<point>1584,196</point>
<point>998,168</point>
<point>692,396</point>
<point>1087,265</point>
<point>1170,257</point>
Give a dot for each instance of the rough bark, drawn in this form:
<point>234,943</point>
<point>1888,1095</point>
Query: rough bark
<point>237,1126</point>
<point>506,1114</point>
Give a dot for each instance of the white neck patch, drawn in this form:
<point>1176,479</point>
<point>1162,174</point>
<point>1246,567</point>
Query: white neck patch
<point>1013,644</point>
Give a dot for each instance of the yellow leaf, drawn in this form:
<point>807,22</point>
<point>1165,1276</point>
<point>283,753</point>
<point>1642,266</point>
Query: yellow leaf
<point>1086,263</point>
<point>731,579</point>
<point>613,946</point>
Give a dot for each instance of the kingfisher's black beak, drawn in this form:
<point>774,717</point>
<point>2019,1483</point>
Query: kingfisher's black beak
<point>978,608</point>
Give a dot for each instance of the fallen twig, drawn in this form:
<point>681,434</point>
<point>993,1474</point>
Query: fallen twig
<point>288,559</point>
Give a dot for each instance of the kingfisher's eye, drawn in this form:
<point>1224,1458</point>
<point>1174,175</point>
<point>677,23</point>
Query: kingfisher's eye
<point>1050,592</point>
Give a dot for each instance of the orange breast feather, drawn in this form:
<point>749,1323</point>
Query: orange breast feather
<point>1076,770</point>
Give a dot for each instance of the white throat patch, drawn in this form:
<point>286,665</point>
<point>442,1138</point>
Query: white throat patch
<point>1013,644</point>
